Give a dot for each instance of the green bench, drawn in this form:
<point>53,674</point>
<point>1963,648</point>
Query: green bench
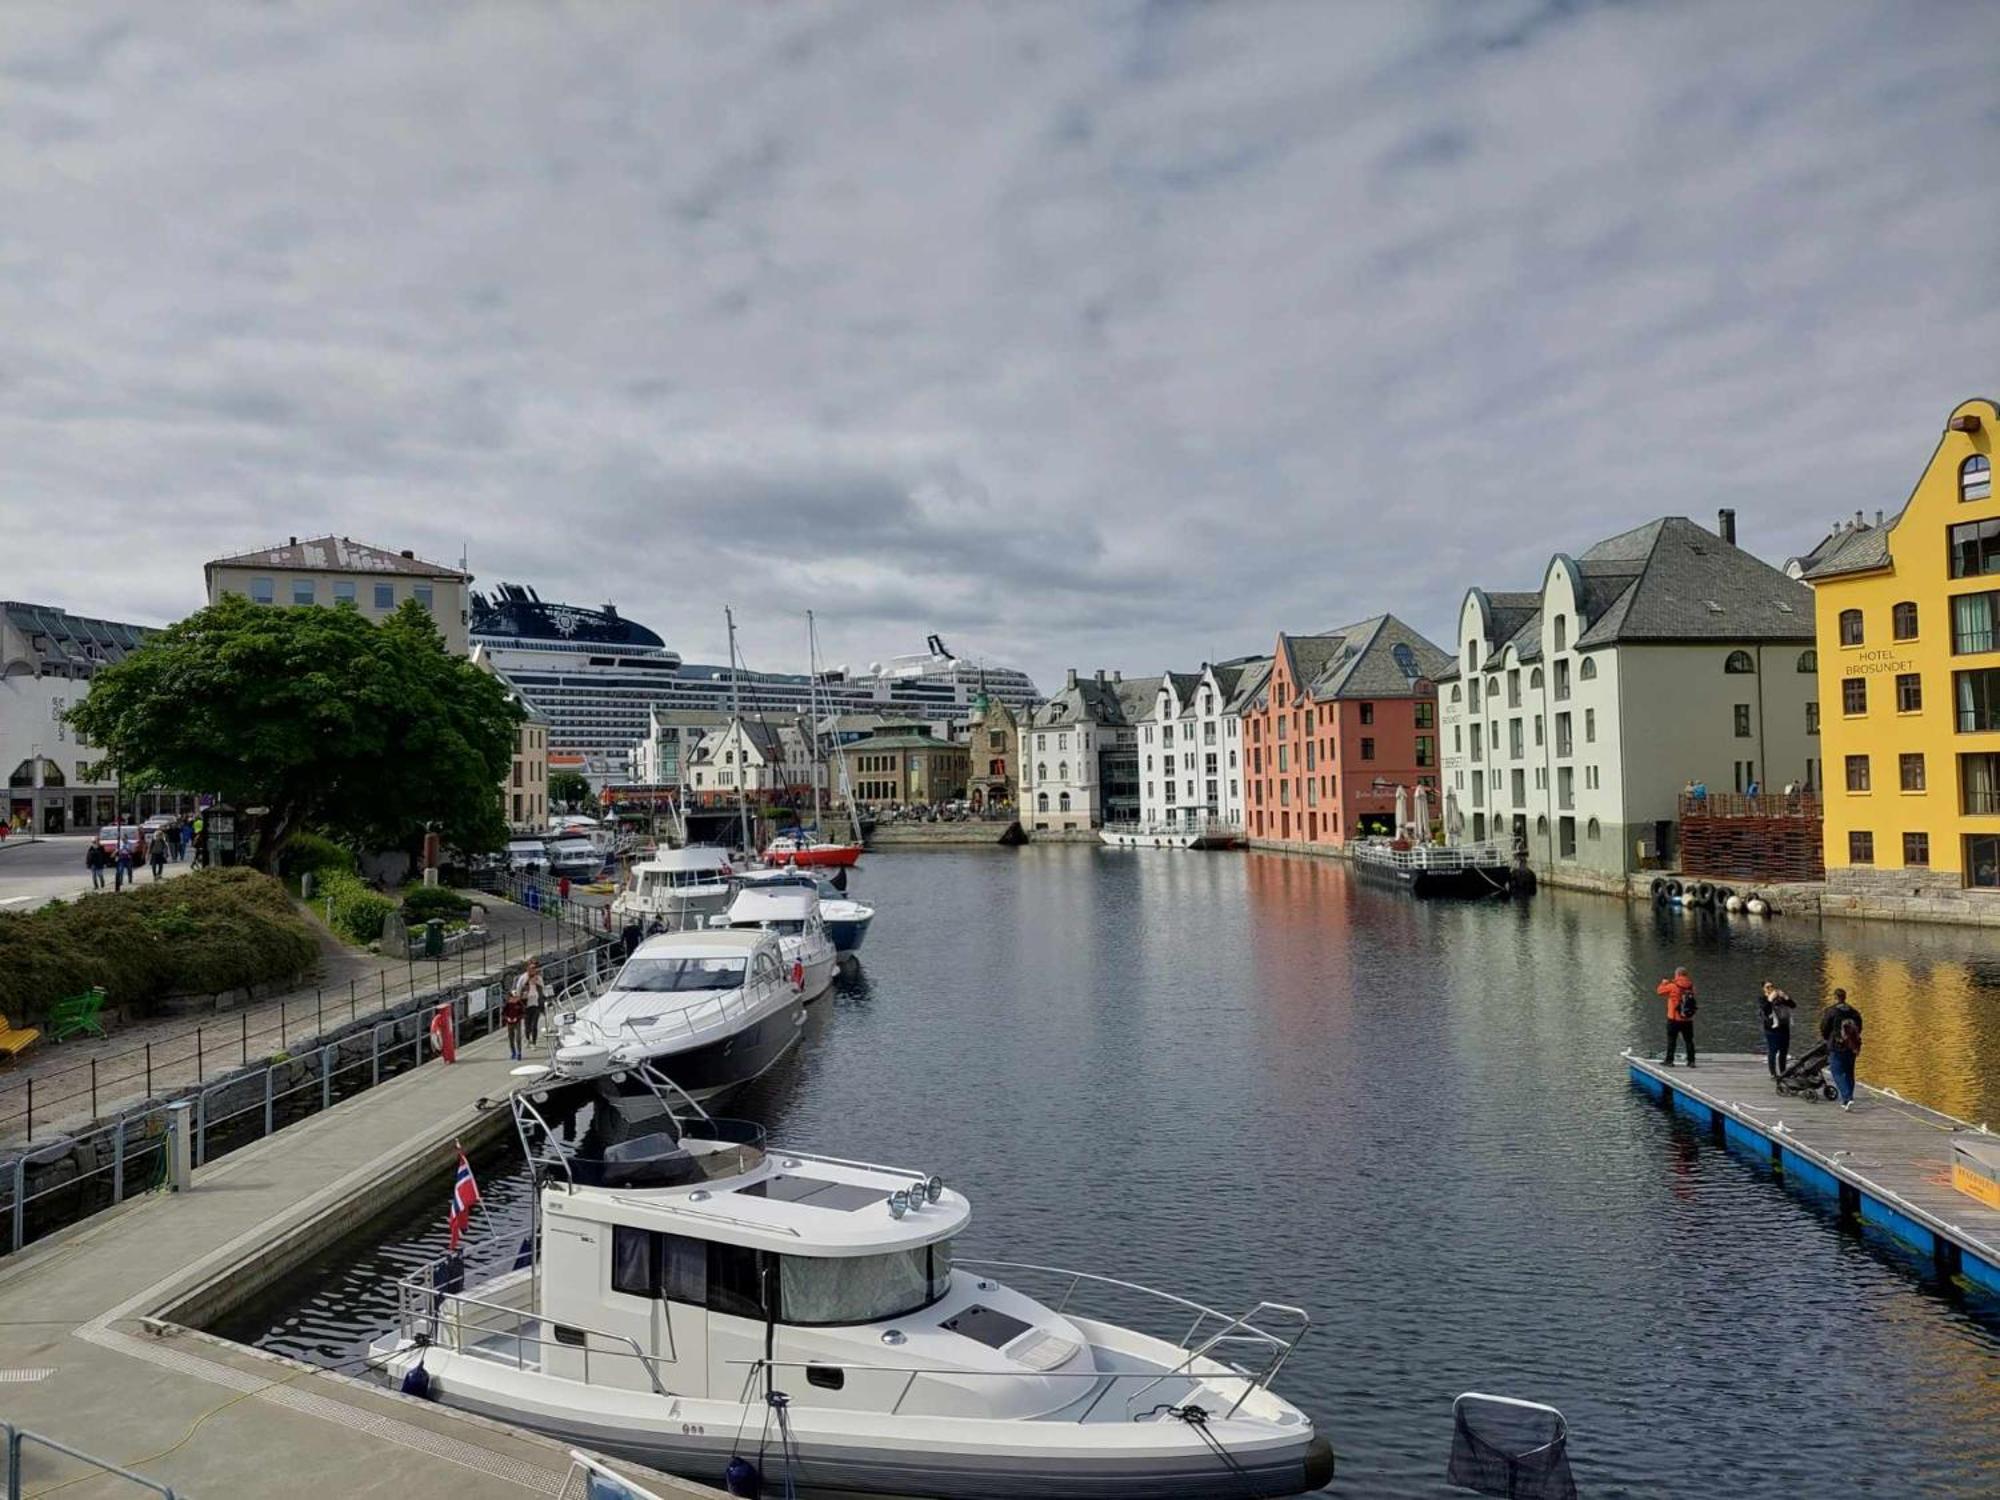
<point>76,1014</point>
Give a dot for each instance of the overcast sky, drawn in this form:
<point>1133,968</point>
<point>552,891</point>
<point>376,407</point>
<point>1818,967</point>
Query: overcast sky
<point>1092,334</point>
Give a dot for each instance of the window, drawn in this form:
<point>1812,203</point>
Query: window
<point>1062,770</point>
<point>1538,731</point>
<point>302,591</point>
<point>1917,849</point>
<point>1743,721</point>
<point>1514,688</point>
<point>1903,621</point>
<point>1368,713</point>
<point>1854,695</point>
<point>1426,754</point>
<point>1982,860</point>
<point>1367,749</point>
<point>1911,769</point>
<point>1592,832</point>
<point>1041,770</point>
<point>1857,773</point>
<point>1850,627</point>
<point>1738,662</point>
<point>1975,549</point>
<point>1514,738</point>
<point>632,1265</point>
<point>1979,784</point>
<point>1861,848</point>
<point>1062,802</point>
<point>1588,670</point>
<point>1563,743</point>
<point>1562,633</point>
<point>385,596</point>
<point>422,594</point>
<point>1972,621</point>
<point>1562,680</point>
<point>1590,726</point>
<point>1456,695</point>
<point>1975,478</point>
<point>1041,802</point>
<point>735,1280</point>
<point>1909,693</point>
<point>343,591</point>
<point>1808,662</point>
<point>1535,680</point>
<point>1427,714</point>
<point>861,1288</point>
<point>1812,718</point>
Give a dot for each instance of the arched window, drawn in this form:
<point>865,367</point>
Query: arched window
<point>1592,832</point>
<point>1042,771</point>
<point>1562,633</point>
<point>1042,802</point>
<point>1850,627</point>
<point>1542,827</point>
<point>1975,478</point>
<point>1903,621</point>
<point>1588,670</point>
<point>1808,661</point>
<point>1062,802</point>
<point>1062,770</point>
<point>1738,662</point>
<point>1535,679</point>
<point>1456,695</point>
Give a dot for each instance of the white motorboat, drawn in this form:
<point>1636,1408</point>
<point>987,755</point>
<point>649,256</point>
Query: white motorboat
<point>576,857</point>
<point>709,1010</point>
<point>526,856</point>
<point>734,1312</point>
<point>1148,836</point>
<point>676,888</point>
<point>846,920</point>
<point>793,914</point>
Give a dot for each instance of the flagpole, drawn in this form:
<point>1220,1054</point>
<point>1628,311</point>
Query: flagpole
<point>492,1232</point>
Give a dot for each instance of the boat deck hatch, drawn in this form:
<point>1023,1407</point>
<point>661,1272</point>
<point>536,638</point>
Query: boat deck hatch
<point>842,1197</point>
<point>993,1329</point>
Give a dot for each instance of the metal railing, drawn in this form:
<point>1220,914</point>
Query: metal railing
<point>593,1479</point>
<point>19,1438</point>
<point>427,1315</point>
<point>1774,804</point>
<point>128,1156</point>
<point>1440,857</point>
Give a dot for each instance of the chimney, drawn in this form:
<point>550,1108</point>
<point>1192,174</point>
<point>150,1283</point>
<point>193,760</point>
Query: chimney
<point>409,554</point>
<point>1100,677</point>
<point>291,541</point>
<point>1725,525</point>
<point>1117,674</point>
<point>1878,515</point>
<point>1071,682</point>
<point>1858,522</point>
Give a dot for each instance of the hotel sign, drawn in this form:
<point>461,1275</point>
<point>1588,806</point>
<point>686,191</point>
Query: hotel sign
<point>1873,663</point>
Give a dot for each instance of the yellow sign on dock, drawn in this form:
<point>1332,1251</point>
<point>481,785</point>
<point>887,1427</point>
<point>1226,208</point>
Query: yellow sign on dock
<point>1975,1167</point>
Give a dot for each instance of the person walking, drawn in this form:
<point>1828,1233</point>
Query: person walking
<point>510,1015</point>
<point>529,989</point>
<point>121,867</point>
<point>1774,1009</point>
<point>1679,994</point>
<point>1840,1029</point>
<point>95,861</point>
<point>158,859</point>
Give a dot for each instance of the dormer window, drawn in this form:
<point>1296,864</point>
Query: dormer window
<point>1975,478</point>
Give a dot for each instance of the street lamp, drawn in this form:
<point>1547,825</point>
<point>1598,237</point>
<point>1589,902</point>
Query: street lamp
<point>34,793</point>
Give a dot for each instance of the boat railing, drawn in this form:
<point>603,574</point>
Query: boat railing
<point>542,1146</point>
<point>1210,1334</point>
<point>1439,857</point>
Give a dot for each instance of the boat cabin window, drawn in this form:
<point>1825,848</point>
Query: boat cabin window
<point>736,1280</point>
<point>648,1263</point>
<point>861,1288</point>
<point>666,976</point>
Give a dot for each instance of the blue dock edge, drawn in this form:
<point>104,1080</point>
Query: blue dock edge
<point>1814,1177</point>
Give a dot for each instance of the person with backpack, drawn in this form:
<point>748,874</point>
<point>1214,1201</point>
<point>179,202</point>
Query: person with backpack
<point>1775,1009</point>
<point>94,860</point>
<point>157,857</point>
<point>1840,1029</point>
<point>1679,994</point>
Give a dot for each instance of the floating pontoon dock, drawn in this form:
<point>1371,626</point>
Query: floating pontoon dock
<point>1889,1163</point>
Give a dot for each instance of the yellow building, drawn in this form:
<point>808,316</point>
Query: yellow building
<point>1908,623</point>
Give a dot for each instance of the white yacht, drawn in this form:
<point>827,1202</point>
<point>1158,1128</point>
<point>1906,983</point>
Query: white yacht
<point>1147,836</point>
<point>576,856</point>
<point>846,919</point>
<point>754,1315</point>
<point>793,914</point>
<point>709,1010</point>
<point>678,888</point>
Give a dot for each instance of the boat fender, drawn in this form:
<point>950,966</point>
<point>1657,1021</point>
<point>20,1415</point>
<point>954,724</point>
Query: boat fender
<point>1659,887</point>
<point>1673,890</point>
<point>1704,894</point>
<point>417,1381</point>
<point>1723,895</point>
<point>741,1479</point>
<point>1733,903</point>
<point>1756,907</point>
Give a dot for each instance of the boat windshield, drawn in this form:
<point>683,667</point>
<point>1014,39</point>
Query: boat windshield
<point>862,1288</point>
<point>666,976</point>
<point>785,929</point>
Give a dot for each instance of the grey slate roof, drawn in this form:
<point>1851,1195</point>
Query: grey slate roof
<point>1369,664</point>
<point>1689,585</point>
<point>1099,702</point>
<point>1857,550</point>
<point>337,554</point>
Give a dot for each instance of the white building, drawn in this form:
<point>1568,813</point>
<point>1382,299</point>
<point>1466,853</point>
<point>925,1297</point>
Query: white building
<point>1191,744</point>
<point>755,756</point>
<point>335,570</point>
<point>1577,713</point>
<point>666,755</point>
<point>1080,753</point>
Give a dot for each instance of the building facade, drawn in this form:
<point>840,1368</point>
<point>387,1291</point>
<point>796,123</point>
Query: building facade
<point>1191,769</point>
<point>1080,767</point>
<point>525,798</point>
<point>906,767</point>
<point>1576,714</point>
<point>992,746</point>
<point>754,756</point>
<point>1908,621</point>
<point>1342,721</point>
<point>335,570</point>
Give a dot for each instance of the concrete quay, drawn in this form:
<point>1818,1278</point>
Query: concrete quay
<point>98,1351</point>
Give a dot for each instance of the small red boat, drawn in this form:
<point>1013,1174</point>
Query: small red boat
<point>798,849</point>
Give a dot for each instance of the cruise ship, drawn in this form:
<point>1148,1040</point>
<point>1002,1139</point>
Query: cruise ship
<point>598,676</point>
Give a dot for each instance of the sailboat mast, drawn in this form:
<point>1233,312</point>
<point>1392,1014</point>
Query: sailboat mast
<point>736,721</point>
<point>812,716</point>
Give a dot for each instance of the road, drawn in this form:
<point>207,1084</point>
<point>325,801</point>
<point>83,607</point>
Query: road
<point>52,869</point>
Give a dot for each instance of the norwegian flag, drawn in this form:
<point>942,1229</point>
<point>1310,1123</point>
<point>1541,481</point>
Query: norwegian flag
<point>464,1196</point>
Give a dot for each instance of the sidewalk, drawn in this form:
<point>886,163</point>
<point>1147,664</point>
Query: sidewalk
<point>146,1057</point>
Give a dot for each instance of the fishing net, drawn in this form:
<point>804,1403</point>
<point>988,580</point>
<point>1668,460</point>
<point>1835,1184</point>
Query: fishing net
<point>1514,1448</point>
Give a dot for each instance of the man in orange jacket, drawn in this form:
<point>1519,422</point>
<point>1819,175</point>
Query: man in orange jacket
<point>1679,993</point>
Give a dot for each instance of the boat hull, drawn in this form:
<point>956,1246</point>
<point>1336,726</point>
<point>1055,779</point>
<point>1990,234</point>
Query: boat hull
<point>847,933</point>
<point>1125,839</point>
<point>827,855</point>
<point>715,1068</point>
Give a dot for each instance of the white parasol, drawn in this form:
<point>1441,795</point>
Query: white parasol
<point>1422,813</point>
<point>1402,812</point>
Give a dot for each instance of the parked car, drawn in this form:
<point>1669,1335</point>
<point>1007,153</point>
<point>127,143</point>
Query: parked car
<point>112,835</point>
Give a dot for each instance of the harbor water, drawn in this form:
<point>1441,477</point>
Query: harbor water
<point>1242,1076</point>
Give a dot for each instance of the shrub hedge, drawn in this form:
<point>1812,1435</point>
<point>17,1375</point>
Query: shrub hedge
<point>321,856</point>
<point>205,932</point>
<point>422,902</point>
<point>356,912</point>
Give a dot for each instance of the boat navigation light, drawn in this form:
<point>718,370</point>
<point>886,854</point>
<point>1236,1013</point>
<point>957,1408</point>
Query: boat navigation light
<point>899,1204</point>
<point>893,1336</point>
<point>934,1189</point>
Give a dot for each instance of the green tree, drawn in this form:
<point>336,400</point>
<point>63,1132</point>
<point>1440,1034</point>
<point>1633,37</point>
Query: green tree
<point>568,789</point>
<point>317,716</point>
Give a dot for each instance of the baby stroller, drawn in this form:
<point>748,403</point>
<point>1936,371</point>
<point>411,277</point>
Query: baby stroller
<point>1806,1077</point>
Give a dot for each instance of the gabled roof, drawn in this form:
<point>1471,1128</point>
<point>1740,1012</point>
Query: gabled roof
<point>1379,658</point>
<point>1098,700</point>
<point>1859,549</point>
<point>338,554</point>
<point>1689,585</point>
<point>1243,681</point>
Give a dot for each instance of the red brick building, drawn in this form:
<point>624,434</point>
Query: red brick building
<point>1346,718</point>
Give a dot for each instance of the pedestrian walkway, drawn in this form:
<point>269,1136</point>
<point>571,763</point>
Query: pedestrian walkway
<point>62,1088</point>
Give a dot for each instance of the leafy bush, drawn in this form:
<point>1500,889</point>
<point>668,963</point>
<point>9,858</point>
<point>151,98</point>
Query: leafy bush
<point>356,912</point>
<point>322,856</point>
<point>423,902</point>
<point>209,931</point>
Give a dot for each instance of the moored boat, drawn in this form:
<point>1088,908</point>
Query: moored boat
<point>797,847</point>
<point>1148,836</point>
<point>846,920</point>
<point>677,888</point>
<point>792,914</point>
